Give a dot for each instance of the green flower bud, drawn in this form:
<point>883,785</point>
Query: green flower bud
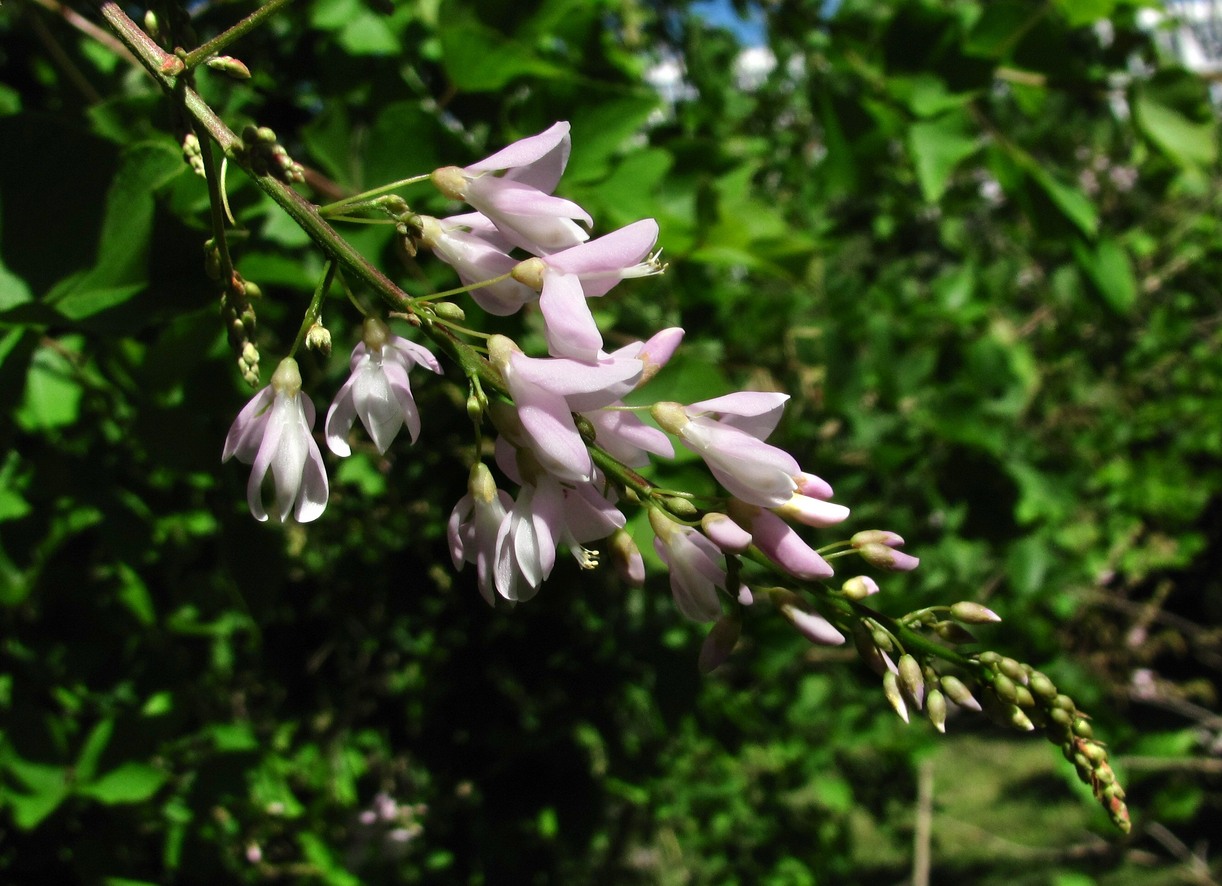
<point>973,613</point>
<point>1012,669</point>
<point>681,507</point>
<point>1081,728</point>
<point>1041,687</point>
<point>958,693</point>
<point>447,310</point>
<point>911,680</point>
<point>869,653</point>
<point>891,689</point>
<point>1005,689</point>
<point>935,709</point>
<point>475,408</point>
<point>883,640</point>
<point>1019,720</point>
<point>229,66</point>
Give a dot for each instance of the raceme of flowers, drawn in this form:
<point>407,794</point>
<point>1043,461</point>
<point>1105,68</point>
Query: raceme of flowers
<point>521,244</point>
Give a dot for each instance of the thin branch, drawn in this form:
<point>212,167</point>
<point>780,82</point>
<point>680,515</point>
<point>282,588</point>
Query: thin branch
<point>205,51</point>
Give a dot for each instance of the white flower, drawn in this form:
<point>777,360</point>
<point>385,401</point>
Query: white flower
<point>378,391</point>
<point>273,431</point>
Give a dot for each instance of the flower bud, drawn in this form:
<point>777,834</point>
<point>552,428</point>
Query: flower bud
<point>876,537</point>
<point>725,533</point>
<point>1013,669</point>
<point>935,709</point>
<point>719,643</point>
<point>859,587</point>
<point>891,689</point>
<point>869,653</point>
<point>911,680</point>
<point>626,557</point>
<point>1004,687</point>
<point>229,66</point>
<point>447,310</point>
<point>973,613</point>
<point>884,557</point>
<point>1041,687</point>
<point>958,693</point>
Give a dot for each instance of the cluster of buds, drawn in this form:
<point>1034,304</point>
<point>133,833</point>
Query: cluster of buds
<point>237,313</point>
<point>572,450</point>
<point>267,156</point>
<point>193,154</point>
<point>1022,697</point>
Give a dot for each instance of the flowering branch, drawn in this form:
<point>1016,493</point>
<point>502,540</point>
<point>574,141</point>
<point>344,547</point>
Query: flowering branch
<point>564,439</point>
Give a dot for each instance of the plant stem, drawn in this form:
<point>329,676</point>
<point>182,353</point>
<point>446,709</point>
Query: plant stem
<point>162,65</point>
<point>205,51</point>
<point>315,309</point>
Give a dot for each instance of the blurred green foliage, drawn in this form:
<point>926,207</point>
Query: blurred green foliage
<point>978,241</point>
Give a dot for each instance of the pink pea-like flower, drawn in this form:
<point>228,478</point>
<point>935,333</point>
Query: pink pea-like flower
<point>695,564</point>
<point>474,525</point>
<point>728,433</point>
<point>513,188</point>
<point>273,433</point>
<point>378,391</point>
<point>566,279</point>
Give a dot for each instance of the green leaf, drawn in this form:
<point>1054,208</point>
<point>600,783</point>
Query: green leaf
<point>999,29</point>
<point>47,786</point>
<point>87,761</point>
<point>601,129</point>
<point>120,270</point>
<point>134,595</point>
<point>1109,268</point>
<point>927,95</point>
<point>13,290</point>
<point>1074,205</point>
<point>52,392</point>
<point>1186,142</point>
<point>937,147</point>
<point>131,782</point>
<point>480,59</point>
<point>1085,12</point>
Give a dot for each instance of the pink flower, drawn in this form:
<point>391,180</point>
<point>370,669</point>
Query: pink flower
<point>546,515</point>
<point>273,431</point>
<point>474,525</point>
<point>519,201</point>
<point>378,391</point>
<point>779,542</point>
<point>546,392</point>
<point>695,567</point>
<point>728,433</point>
<point>473,247</point>
<point>566,279</point>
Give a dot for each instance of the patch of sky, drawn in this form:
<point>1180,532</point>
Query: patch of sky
<point>750,30</point>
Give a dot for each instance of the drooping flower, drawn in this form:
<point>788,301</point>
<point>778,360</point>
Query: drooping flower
<point>273,432</point>
<point>472,246</point>
<point>695,567</point>
<point>546,391</point>
<point>728,433</point>
<point>567,278</point>
<point>779,542</point>
<point>378,391</point>
<point>519,200</point>
<point>548,513</point>
<point>474,525</point>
